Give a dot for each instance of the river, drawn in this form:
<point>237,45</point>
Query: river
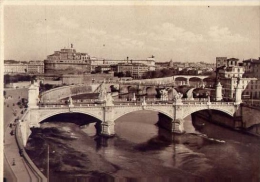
<point>141,151</point>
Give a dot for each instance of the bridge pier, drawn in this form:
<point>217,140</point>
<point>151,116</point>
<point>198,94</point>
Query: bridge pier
<point>108,124</point>
<point>174,126</point>
<point>108,129</point>
<point>177,126</point>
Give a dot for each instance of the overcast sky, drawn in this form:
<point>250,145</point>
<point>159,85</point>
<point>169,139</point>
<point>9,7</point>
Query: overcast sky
<point>180,33</point>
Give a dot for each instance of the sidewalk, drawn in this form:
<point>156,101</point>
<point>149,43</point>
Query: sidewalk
<point>14,160</point>
<point>15,167</point>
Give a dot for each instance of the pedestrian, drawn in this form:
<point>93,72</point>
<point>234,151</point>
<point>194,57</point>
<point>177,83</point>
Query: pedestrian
<point>21,152</point>
<point>13,162</point>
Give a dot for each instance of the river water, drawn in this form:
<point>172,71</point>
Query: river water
<point>141,151</point>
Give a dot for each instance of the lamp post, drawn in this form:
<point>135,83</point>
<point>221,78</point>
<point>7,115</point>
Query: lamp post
<point>48,163</point>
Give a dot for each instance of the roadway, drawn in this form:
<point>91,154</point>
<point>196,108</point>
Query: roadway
<point>15,168</point>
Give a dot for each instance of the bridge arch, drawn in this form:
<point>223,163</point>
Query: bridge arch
<point>224,110</point>
<point>48,115</point>
<point>189,93</point>
<point>127,111</point>
<point>150,90</point>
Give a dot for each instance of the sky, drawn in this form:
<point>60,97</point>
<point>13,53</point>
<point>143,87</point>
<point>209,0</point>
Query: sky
<point>178,33</point>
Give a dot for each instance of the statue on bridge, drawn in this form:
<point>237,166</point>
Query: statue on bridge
<point>102,93</point>
<point>164,94</point>
<point>109,100</point>
<point>178,97</point>
<point>70,101</point>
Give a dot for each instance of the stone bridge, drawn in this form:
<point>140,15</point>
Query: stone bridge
<point>108,114</point>
<point>108,110</point>
<point>145,86</point>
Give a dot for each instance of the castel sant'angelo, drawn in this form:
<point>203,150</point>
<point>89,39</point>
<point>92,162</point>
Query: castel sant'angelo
<point>69,58</point>
<point>66,59</point>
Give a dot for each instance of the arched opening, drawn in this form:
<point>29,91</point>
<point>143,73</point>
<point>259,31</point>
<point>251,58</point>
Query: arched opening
<point>210,81</point>
<point>114,88</point>
<point>142,127</point>
<point>203,93</point>
<point>180,81</point>
<point>132,89</point>
<point>183,89</point>
<point>195,81</point>
<point>199,121</point>
<point>89,124</point>
<point>151,91</point>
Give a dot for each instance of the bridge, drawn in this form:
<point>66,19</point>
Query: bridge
<point>108,110</point>
<point>143,86</point>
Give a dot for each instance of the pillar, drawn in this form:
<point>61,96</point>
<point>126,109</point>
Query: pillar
<point>108,124</point>
<point>188,81</point>
<point>177,122</point>
<point>33,94</point>
<point>177,126</point>
<point>108,128</point>
<point>238,94</point>
<point>219,92</point>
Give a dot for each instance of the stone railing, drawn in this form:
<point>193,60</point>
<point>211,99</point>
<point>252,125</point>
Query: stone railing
<point>18,136</point>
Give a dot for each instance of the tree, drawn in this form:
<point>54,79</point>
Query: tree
<point>120,74</point>
<point>128,74</point>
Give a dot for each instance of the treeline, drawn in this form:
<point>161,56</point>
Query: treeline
<point>17,78</point>
<point>159,73</point>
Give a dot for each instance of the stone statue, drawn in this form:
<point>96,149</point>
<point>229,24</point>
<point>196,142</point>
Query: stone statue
<point>109,100</point>
<point>70,101</point>
<point>178,97</point>
<point>102,93</point>
<point>164,94</point>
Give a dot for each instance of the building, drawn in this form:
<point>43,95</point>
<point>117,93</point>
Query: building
<point>67,59</point>
<point>13,67</point>
<point>223,61</point>
<point>102,69</point>
<point>149,62</point>
<point>230,75</point>
<point>35,67</point>
<point>136,70</point>
<point>252,69</point>
<point>231,72</point>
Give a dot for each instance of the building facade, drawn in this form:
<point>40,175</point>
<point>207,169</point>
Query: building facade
<point>149,62</point>
<point>230,75</point>
<point>35,67</point>
<point>67,59</point>
<point>13,67</point>
<point>252,69</point>
<point>136,70</point>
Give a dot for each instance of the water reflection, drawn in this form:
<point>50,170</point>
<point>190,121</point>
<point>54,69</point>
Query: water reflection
<point>141,150</point>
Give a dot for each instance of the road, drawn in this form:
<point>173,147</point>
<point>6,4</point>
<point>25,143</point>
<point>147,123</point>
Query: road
<point>15,168</point>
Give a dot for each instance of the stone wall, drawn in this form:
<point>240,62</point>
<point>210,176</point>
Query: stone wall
<point>250,116</point>
<point>88,78</point>
<point>59,93</point>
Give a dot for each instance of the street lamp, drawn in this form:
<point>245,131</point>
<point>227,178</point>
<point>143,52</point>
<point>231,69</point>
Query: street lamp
<point>48,163</point>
